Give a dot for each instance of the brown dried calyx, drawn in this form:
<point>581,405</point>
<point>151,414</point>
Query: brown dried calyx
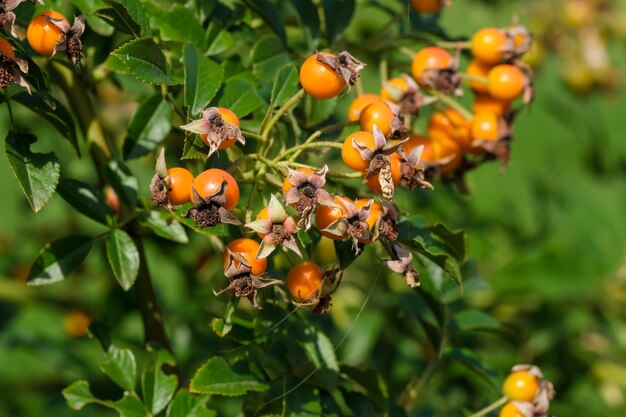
<point>388,224</point>
<point>209,211</point>
<point>70,43</point>
<point>216,128</point>
<point>409,100</point>
<point>11,70</point>
<point>402,262</point>
<point>345,65</point>
<point>412,173</point>
<point>379,160</point>
<point>500,147</point>
<point>519,41</point>
<point>353,224</point>
<point>278,229</point>
<point>307,193</point>
<point>160,183</point>
<point>7,17</point>
<point>242,282</point>
<point>445,80</point>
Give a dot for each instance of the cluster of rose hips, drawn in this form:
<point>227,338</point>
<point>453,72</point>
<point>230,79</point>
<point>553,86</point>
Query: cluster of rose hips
<point>48,33</point>
<point>527,392</point>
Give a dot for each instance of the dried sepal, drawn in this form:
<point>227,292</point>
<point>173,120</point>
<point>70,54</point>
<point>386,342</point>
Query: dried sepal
<point>401,262</point>
<point>352,224</point>
<point>7,17</point>
<point>413,175</point>
<point>519,40</point>
<point>278,229</point>
<point>321,300</point>
<point>11,70</point>
<point>500,147</point>
<point>388,223</point>
<point>543,396</point>
<point>409,100</point>
<point>70,42</point>
<point>347,67</point>
<point>160,183</point>
<point>445,80</point>
<point>216,128</point>
<point>307,193</point>
<point>209,211</point>
<point>242,282</point>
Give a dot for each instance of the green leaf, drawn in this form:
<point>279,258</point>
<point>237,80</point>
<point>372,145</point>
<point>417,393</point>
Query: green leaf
<point>470,320</point>
<point>127,16</point>
<point>187,405</point>
<point>320,350</point>
<point>123,182</point>
<point>143,59</point>
<point>373,383</point>
<point>337,15</point>
<point>218,39</point>
<point>194,148</point>
<point>285,85</point>
<point>78,395</point>
<point>345,253</point>
<point>128,406</point>
<point>306,12</point>
<point>163,225</point>
<point>359,404</point>
<point>240,97</point>
<point>86,200</point>
<point>37,173</point>
<point>123,257</point>
<point>53,111</point>
<point>455,241</point>
<point>149,127</point>
<point>176,23</point>
<point>120,365</point>
<point>157,387</point>
<point>268,56</point>
<point>270,14</point>
<point>203,78</point>
<point>59,259</point>
<point>473,364</point>
<point>223,326</point>
<point>318,111</point>
<point>423,241</point>
<point>216,377</point>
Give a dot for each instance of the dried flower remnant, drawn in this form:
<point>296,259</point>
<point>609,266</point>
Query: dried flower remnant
<point>353,223</point>
<point>12,67</point>
<point>277,229</point>
<point>409,99</point>
<point>70,43</point>
<point>160,183</point>
<point>209,211</point>
<point>216,131</point>
<point>304,191</point>
<point>243,283</point>
<point>402,262</point>
<point>7,17</point>
<point>347,67</point>
<point>412,173</point>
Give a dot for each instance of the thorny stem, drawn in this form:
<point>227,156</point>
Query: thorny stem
<point>292,102</point>
<point>493,406</point>
<point>8,100</point>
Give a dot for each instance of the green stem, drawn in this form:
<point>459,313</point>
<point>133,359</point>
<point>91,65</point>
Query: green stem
<point>292,102</point>
<point>416,388</point>
<point>320,132</point>
<point>491,407</point>
<point>8,100</point>
<point>307,146</point>
<point>450,102</point>
<point>469,77</point>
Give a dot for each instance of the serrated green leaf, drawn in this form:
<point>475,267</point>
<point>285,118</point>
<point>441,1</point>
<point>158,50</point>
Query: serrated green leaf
<point>218,39</point>
<point>337,15</point>
<point>470,320</point>
<point>203,78</point>
<point>307,14</point>
<point>455,241</point>
<point>78,395</point>
<point>217,378</point>
<point>268,56</point>
<point>128,406</point>
<point>86,200</point>
<point>163,225</point>
<point>169,22</point>
<point>123,182</point>
<point>120,365</point>
<point>321,352</point>
<point>285,85</point>
<point>123,257</point>
<point>36,173</point>
<point>423,241</point>
<point>128,16</point>
<point>270,14</point>
<point>318,111</point>
<point>143,59</point>
<point>53,111</point>
<point>194,148</point>
<point>187,405</point>
<point>240,97</point>
<point>59,259</point>
<point>149,127</point>
<point>157,387</point>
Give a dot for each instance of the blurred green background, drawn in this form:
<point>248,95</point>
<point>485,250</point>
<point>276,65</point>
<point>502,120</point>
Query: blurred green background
<point>547,241</point>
